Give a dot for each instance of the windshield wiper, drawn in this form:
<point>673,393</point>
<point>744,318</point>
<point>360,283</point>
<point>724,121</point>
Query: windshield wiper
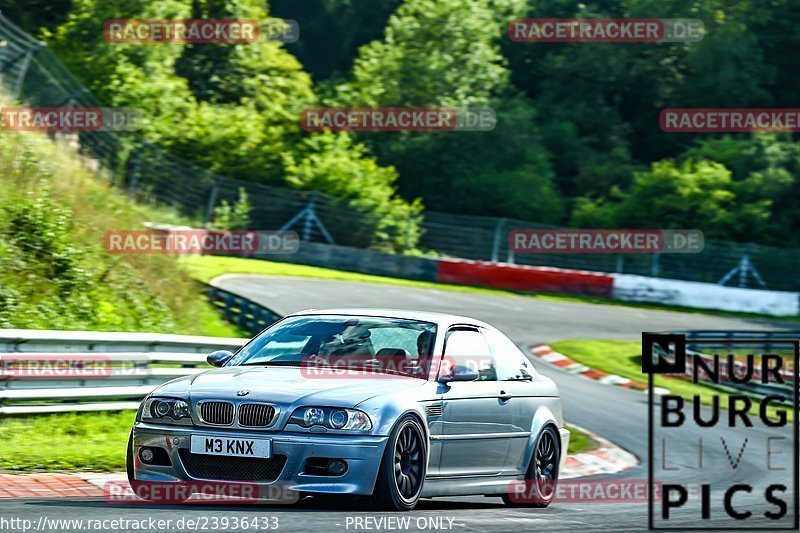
<point>378,370</point>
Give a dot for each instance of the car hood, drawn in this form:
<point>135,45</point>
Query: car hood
<point>286,386</point>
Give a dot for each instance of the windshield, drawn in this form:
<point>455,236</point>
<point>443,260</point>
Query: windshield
<point>374,344</point>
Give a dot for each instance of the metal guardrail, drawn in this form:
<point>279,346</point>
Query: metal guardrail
<point>771,340</point>
<point>245,313</point>
<point>62,371</point>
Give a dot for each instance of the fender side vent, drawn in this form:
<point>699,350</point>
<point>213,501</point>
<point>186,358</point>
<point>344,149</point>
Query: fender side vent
<point>434,409</point>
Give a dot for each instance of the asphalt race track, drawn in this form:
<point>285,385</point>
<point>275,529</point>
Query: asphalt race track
<point>615,413</point>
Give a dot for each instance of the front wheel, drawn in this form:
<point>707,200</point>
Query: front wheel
<point>542,475</point>
<point>402,471</point>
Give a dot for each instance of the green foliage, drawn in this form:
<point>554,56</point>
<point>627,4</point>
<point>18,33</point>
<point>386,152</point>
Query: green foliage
<point>689,194</point>
<point>435,52</point>
<point>330,166</point>
<point>505,172</point>
<point>577,123</point>
<point>234,217</point>
<point>54,271</point>
<point>231,108</point>
<point>765,170</point>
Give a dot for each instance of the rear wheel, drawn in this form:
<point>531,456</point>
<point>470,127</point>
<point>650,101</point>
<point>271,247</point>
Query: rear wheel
<point>542,475</point>
<point>402,471</point>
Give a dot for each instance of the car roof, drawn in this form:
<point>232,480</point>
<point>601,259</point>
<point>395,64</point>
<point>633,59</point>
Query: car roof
<point>441,319</point>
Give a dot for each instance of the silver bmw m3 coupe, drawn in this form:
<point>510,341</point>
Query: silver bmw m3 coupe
<point>387,405</point>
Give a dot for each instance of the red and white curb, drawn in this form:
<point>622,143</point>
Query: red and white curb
<point>608,458</point>
<point>550,356</point>
<point>50,486</point>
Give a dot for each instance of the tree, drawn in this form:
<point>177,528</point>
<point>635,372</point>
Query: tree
<point>679,195</point>
<point>434,53</point>
<point>333,30</point>
<point>336,165</point>
<point>233,109</point>
<point>504,172</point>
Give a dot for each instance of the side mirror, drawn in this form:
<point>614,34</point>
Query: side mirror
<point>219,358</point>
<point>459,373</point>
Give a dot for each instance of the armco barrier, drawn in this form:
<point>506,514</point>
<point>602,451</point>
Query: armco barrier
<point>525,278</point>
<point>698,295</point>
<point>136,364</point>
<point>247,314</point>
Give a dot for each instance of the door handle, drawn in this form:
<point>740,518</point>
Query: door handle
<point>504,397</point>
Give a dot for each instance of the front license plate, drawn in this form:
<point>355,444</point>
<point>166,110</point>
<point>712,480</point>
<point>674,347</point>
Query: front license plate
<point>232,447</point>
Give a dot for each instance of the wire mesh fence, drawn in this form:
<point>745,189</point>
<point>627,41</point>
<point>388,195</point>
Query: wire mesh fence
<point>32,74</point>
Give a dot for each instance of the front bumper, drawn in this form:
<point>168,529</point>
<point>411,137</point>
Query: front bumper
<point>362,453</point>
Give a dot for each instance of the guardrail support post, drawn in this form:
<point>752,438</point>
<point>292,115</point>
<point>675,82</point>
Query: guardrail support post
<point>498,231</point>
<point>26,62</point>
<point>212,201</point>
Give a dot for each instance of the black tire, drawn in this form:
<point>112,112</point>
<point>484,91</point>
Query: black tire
<point>129,460</point>
<point>402,472</point>
<point>541,479</point>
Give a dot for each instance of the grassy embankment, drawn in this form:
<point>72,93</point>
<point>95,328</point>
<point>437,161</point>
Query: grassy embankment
<point>54,270</point>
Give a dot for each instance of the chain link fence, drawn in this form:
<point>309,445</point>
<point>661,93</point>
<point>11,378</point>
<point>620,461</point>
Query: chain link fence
<point>32,74</point>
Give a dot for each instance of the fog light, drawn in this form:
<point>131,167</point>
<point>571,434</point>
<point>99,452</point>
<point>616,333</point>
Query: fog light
<point>337,467</point>
<point>146,455</point>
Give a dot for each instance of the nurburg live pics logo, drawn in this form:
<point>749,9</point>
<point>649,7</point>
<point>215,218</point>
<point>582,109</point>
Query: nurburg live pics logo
<point>743,437</point>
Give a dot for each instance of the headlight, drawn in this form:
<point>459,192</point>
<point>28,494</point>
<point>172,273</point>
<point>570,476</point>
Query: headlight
<point>331,418</point>
<point>165,407</point>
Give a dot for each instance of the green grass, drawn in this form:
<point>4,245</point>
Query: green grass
<point>63,442</point>
<point>54,270</point>
<point>624,358</point>
<point>579,441</point>
<point>205,268</point>
<point>95,442</point>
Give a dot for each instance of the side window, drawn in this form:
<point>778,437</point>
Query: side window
<point>468,347</point>
<point>510,362</point>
